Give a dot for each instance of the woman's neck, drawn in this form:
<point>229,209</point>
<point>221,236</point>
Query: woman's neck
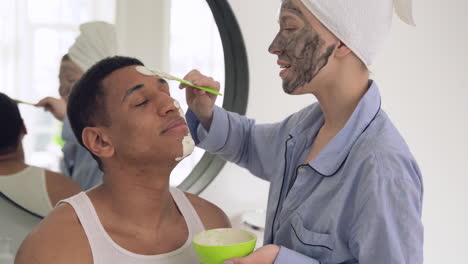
<point>339,99</point>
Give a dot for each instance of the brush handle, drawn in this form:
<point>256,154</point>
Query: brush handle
<point>22,102</point>
<point>206,89</point>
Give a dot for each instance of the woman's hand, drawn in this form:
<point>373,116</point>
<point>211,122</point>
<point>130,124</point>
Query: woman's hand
<point>199,101</point>
<point>264,255</point>
<point>58,107</point>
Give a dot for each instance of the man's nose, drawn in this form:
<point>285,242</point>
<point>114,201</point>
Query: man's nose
<point>167,106</point>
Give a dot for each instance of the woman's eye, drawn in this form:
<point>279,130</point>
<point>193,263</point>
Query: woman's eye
<point>142,103</point>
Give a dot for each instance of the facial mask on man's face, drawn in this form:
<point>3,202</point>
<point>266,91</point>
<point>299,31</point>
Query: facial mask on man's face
<point>188,145</point>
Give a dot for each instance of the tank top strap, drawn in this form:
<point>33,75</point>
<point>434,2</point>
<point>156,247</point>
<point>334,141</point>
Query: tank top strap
<point>194,223</point>
<point>89,219</point>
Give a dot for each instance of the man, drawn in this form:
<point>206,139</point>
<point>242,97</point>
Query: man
<point>134,129</point>
<point>36,190</point>
<point>97,40</point>
<point>344,186</point>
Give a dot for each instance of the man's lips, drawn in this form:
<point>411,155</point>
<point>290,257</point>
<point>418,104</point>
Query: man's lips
<point>177,125</point>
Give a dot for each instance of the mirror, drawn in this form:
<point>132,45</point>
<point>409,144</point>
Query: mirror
<point>172,35</point>
<point>184,36</point>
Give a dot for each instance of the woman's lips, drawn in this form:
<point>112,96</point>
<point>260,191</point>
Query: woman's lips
<point>285,66</point>
<point>284,73</point>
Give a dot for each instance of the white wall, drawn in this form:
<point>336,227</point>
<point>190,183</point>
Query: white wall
<point>143,31</point>
<point>421,73</point>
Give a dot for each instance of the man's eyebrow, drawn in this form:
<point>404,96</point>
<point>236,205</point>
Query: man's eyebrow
<point>131,90</point>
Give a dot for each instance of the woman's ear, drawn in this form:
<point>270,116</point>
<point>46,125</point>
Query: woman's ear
<point>342,50</point>
<point>97,142</point>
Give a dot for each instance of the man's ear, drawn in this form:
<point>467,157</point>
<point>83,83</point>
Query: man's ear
<point>23,128</point>
<point>342,50</point>
<point>97,142</point>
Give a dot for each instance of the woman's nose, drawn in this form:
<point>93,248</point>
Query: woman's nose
<point>276,51</point>
<point>275,46</point>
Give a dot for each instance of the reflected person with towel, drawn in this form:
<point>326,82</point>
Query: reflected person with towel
<point>344,186</point>
<point>97,40</point>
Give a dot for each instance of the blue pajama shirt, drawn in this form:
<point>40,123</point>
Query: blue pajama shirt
<point>358,201</point>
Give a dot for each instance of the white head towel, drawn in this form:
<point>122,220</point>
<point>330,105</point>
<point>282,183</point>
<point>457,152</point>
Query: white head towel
<point>97,40</point>
<point>362,25</point>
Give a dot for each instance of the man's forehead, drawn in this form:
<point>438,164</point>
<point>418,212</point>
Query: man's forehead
<point>122,77</point>
<point>116,83</point>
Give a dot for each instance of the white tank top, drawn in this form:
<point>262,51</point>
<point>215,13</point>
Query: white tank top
<point>106,251</point>
<point>28,190</point>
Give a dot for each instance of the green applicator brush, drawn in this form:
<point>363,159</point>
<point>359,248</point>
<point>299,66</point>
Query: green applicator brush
<point>146,71</point>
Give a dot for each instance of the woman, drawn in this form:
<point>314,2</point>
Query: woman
<point>344,187</point>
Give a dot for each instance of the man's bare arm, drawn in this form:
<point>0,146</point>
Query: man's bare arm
<point>59,238</point>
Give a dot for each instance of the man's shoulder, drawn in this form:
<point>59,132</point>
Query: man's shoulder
<point>211,215</point>
<point>59,238</point>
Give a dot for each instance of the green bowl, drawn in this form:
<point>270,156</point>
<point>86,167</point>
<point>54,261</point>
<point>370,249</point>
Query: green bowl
<point>217,245</point>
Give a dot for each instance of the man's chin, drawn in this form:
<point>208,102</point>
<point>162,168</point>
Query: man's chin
<point>188,147</point>
<point>181,158</point>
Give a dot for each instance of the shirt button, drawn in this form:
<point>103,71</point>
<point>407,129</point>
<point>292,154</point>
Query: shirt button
<point>302,170</point>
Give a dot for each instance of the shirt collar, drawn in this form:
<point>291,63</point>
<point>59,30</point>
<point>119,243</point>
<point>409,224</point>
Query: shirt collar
<point>332,157</point>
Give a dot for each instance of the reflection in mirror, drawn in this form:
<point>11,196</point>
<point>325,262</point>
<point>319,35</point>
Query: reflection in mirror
<point>172,35</point>
<point>34,35</point>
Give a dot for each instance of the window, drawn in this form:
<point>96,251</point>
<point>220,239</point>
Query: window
<point>34,35</point>
<point>187,54</point>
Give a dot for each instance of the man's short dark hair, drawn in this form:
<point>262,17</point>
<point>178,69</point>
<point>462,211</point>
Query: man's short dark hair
<point>12,124</point>
<point>86,103</point>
